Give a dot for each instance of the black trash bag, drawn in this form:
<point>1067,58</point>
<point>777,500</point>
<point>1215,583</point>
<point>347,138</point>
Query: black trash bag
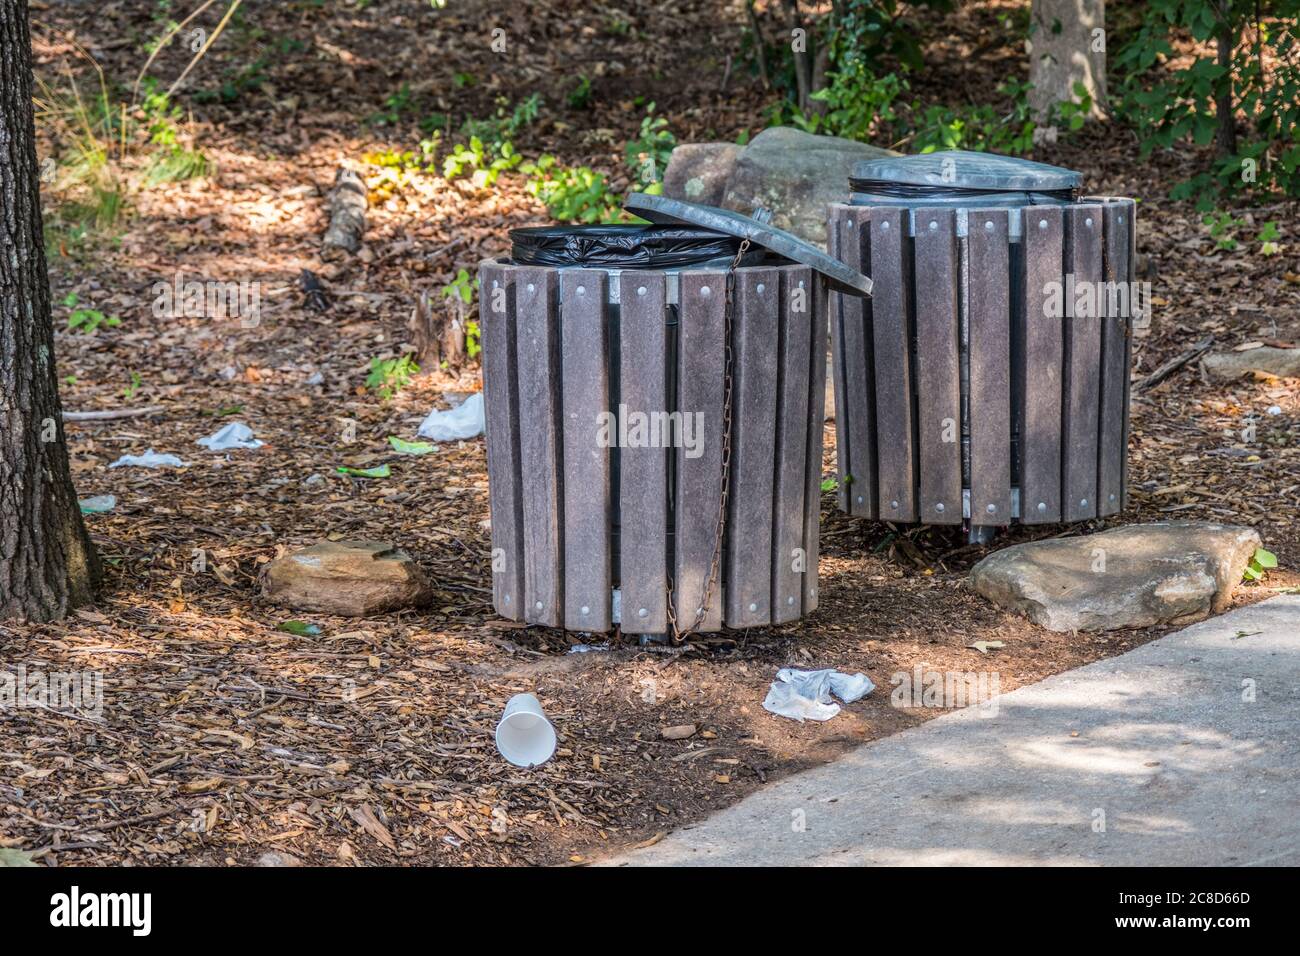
<point>620,247</point>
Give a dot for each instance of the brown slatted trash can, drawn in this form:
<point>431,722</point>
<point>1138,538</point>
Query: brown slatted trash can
<point>606,376</point>
<point>976,386</point>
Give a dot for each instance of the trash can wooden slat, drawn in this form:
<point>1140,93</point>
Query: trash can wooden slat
<point>960,393</point>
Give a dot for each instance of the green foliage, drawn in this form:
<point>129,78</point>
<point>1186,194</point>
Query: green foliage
<point>572,194</point>
<point>136,381</point>
<point>579,97</point>
<point>476,162</point>
<point>1223,227</point>
<point>647,155</point>
<point>858,103</point>
<point>1168,105</point>
<point>979,127</point>
<point>87,321</point>
<point>396,105</point>
<point>462,288</point>
<point>389,376</point>
<point>1260,562</point>
<point>1267,239</point>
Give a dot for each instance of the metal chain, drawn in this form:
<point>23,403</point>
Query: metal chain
<point>728,361</point>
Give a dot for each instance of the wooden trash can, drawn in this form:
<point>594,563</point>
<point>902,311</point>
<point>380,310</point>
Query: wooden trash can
<point>609,431</point>
<point>987,380</point>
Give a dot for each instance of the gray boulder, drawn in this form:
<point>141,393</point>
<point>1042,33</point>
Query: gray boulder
<point>1135,576</point>
<point>698,172</point>
<point>1284,363</point>
<point>797,176</point>
<point>352,578</point>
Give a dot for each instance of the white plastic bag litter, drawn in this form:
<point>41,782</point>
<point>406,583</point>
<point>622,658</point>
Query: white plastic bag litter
<point>463,421</point>
<point>150,459</point>
<point>806,695</point>
<point>234,435</point>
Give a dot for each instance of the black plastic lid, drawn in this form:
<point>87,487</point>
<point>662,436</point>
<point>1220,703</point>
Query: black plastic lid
<point>961,177</point>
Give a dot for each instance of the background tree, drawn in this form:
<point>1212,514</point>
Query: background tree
<point>47,563</point>
<point>1067,46</point>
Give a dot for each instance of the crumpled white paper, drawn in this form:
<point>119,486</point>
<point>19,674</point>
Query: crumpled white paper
<point>150,459</point>
<point>234,435</point>
<point>463,421</point>
<point>806,695</point>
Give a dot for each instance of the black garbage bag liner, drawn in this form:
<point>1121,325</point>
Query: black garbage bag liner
<point>619,247</point>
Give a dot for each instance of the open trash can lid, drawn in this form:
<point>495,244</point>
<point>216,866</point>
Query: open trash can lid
<point>661,209</point>
<point>962,176</point>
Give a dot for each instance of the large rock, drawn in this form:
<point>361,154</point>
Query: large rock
<point>353,578</point>
<point>1136,576</point>
<point>698,172</point>
<point>797,176</point>
<point>1284,363</point>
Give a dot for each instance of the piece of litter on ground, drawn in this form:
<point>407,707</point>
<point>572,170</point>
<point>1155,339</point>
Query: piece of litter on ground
<point>463,421</point>
<point>806,695</point>
<point>403,447</point>
<point>379,471</point>
<point>1274,409</point>
<point>315,378</point>
<point>150,459</point>
<point>98,504</point>
<point>228,437</point>
<point>985,646</point>
<point>300,628</point>
<point>587,648</point>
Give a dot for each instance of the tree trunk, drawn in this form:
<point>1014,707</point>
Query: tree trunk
<point>47,563</point>
<point>1224,108</point>
<point>1065,48</point>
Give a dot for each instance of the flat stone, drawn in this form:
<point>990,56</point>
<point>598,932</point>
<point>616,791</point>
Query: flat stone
<point>797,176</point>
<point>1284,363</point>
<point>352,578</point>
<point>1135,576</point>
<point>698,172</point>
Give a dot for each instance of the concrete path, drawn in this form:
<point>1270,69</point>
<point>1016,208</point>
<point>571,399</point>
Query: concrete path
<point>1183,751</point>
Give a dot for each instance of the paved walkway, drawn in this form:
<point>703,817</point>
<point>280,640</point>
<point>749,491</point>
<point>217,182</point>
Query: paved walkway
<point>1183,751</point>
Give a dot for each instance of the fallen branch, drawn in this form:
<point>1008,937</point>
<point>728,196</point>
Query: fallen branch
<point>347,214</point>
<point>111,414</point>
<point>1175,363</point>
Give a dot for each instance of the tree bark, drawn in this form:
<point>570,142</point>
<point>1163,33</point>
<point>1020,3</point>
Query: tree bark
<point>1064,49</point>
<point>1224,107</point>
<point>47,563</point>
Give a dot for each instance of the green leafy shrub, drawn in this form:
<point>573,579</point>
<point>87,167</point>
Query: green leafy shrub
<point>389,376</point>
<point>87,321</point>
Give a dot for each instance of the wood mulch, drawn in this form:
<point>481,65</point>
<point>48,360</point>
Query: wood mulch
<point>223,738</point>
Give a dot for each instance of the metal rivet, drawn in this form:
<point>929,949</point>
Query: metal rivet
<point>859,499</point>
<point>538,605</point>
<point>893,504</point>
<point>642,613</point>
<point>1042,506</point>
<point>884,226</point>
<point>939,507</point>
<point>494,283</point>
<point>753,607</point>
<point>933,225</point>
<point>1120,220</point>
<point>1088,222</point>
<point>1112,497</point>
<point>640,290</point>
<point>1083,502</point>
<point>789,600</point>
<point>801,283</point>
<point>582,290</point>
<point>705,291</point>
<point>761,288</point>
<point>992,509</point>
<point>531,287</point>
<point>1042,224</point>
<point>988,224</point>
<point>585,609</point>
<point>507,599</point>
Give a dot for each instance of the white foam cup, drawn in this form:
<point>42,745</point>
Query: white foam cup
<point>524,736</point>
